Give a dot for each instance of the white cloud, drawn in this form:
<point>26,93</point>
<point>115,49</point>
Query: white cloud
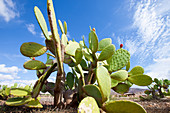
<point>13,70</point>
<point>42,35</point>
<point>10,72</point>
<point>5,77</point>
<point>8,10</point>
<point>19,82</point>
<point>31,28</point>
<point>160,69</point>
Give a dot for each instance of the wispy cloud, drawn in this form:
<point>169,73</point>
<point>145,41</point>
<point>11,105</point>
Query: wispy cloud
<point>151,21</point>
<point>31,28</point>
<point>8,10</point>
<point>9,72</point>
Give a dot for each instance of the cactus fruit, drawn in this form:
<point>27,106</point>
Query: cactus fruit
<point>88,105</point>
<point>94,29</point>
<point>41,21</point>
<point>121,88</point>
<point>34,65</point>
<point>93,91</point>
<point>20,92</point>
<point>17,101</point>
<point>103,43</point>
<point>107,52</point>
<point>123,106</point>
<point>104,81</point>
<point>120,59</point>
<point>32,49</point>
<point>121,45</point>
<point>93,42</point>
<point>140,80</point>
<point>120,75</point>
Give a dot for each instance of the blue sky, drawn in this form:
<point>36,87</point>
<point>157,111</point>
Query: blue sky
<point>142,26</point>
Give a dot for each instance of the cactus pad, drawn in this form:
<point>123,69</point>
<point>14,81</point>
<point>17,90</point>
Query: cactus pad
<point>41,21</point>
<point>50,46</point>
<point>104,81</point>
<point>120,75</point>
<point>103,43</point>
<point>65,27</point>
<point>107,52</point>
<point>71,48</point>
<point>140,80</point>
<point>136,70</point>
<point>114,82</point>
<point>128,66</point>
<point>120,59</point>
<point>87,55</point>
<point>32,49</point>
<point>123,106</point>
<point>93,91</point>
<point>34,104</point>
<point>121,88</point>
<point>17,101</point>
<point>19,92</point>
<point>93,41</point>
<point>88,105</point>
<point>61,26</point>
<point>78,55</point>
<point>64,39</point>
<point>70,80</point>
<point>34,65</point>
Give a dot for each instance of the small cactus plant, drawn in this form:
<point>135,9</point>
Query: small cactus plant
<point>158,89</point>
<point>93,74</point>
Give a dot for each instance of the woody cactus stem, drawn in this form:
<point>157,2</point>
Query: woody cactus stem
<point>58,52</point>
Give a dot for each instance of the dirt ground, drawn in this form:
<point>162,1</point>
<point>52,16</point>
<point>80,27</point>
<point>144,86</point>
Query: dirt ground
<point>153,106</point>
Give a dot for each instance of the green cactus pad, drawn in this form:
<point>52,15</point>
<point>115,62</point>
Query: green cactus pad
<point>136,70</point>
<point>64,39</point>
<point>128,83</point>
<point>32,49</point>
<point>34,65</point>
<point>114,82</point>
<point>120,75</point>
<point>128,66</point>
<point>88,105</point>
<point>123,106</point>
<point>78,55</point>
<point>50,46</point>
<point>87,55</point>
<point>34,104</point>
<point>140,80</point>
<point>41,21</point>
<point>70,79</point>
<point>121,88</point>
<point>7,91</point>
<point>107,52</point>
<point>61,26</point>
<point>104,81</point>
<point>93,41</point>
<point>65,27</point>
<point>17,101</point>
<point>67,59</point>
<point>103,43</point>
<point>120,59</point>
<point>93,91</point>
<point>19,92</point>
<point>84,65</point>
<point>71,48</point>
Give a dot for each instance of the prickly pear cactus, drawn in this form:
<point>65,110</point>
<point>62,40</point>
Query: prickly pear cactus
<point>123,106</point>
<point>88,105</point>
